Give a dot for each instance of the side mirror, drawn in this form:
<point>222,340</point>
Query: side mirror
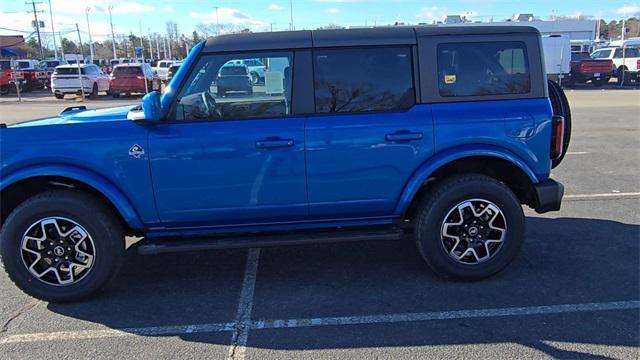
<point>149,111</point>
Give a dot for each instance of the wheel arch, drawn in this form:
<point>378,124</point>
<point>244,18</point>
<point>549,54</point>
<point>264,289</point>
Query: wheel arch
<point>24,183</point>
<point>497,163</point>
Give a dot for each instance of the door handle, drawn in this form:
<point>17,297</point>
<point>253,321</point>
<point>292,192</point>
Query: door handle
<point>274,143</point>
<point>401,136</point>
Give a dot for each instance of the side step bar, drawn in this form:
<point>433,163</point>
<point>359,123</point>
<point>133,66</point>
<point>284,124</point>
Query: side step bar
<point>159,246</point>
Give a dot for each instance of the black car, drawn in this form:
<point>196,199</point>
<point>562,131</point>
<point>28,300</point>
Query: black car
<point>234,78</point>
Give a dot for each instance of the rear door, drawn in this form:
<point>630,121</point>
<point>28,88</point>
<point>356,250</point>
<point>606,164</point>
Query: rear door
<point>237,159</point>
<point>367,135</point>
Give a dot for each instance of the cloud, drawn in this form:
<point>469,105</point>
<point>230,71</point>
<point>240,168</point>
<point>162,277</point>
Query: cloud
<point>629,9</point>
<point>119,7</point>
<point>433,13</point>
<point>167,8</point>
<point>229,16</point>
<point>274,7</point>
<point>340,1</point>
<point>333,10</point>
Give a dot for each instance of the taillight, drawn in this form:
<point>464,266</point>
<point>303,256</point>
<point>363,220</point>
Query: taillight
<point>638,64</point>
<point>557,136</point>
<point>140,77</point>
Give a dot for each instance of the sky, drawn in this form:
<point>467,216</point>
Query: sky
<point>262,15</point>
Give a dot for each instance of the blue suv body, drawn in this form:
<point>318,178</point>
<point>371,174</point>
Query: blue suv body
<point>439,133</point>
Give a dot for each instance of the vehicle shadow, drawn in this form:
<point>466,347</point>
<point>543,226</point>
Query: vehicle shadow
<point>563,261</point>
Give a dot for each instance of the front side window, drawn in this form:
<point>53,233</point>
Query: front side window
<point>483,68</point>
<point>363,79</point>
<point>222,87</point>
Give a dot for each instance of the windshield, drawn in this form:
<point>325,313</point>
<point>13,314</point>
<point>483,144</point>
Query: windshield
<point>601,54</point>
<point>5,65</point>
<point>127,70</point>
<point>23,64</point>
<point>69,71</point>
<point>579,56</point>
<point>233,70</point>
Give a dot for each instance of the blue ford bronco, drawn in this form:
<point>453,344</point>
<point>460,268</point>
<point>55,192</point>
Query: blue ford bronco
<point>435,133</point>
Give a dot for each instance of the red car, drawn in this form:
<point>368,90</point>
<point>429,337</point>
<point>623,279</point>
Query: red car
<point>6,77</point>
<point>584,69</point>
<point>130,78</point>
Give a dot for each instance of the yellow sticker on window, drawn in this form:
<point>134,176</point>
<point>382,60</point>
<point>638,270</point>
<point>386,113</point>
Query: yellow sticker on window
<point>449,79</point>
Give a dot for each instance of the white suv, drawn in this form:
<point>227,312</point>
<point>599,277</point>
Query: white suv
<point>65,80</point>
<point>162,67</point>
<point>627,59</point>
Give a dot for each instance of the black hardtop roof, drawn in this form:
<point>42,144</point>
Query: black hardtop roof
<point>396,35</point>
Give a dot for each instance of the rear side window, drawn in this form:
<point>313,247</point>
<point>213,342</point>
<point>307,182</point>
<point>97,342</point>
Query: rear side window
<point>363,79</point>
<point>479,68</point>
<point>127,70</point>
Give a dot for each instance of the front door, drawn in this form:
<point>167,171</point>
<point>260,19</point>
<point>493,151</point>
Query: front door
<point>229,158</point>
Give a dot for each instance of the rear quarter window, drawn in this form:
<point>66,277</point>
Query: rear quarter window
<point>483,69</point>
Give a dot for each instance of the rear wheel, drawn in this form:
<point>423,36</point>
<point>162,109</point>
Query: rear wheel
<point>599,82</point>
<point>115,95</point>
<point>94,91</point>
<point>59,96</point>
<point>4,89</point>
<point>469,227</point>
<point>61,245</point>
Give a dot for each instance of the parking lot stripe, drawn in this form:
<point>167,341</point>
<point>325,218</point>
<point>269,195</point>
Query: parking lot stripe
<point>238,346</point>
<point>449,315</point>
<point>602,195</point>
<point>241,343</point>
<point>577,152</point>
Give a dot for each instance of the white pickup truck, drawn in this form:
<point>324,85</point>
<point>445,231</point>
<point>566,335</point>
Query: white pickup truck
<point>626,61</point>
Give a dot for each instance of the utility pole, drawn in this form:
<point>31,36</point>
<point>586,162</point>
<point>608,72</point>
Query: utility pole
<point>35,15</point>
<point>61,47</point>
<point>291,15</point>
<point>113,37</point>
<point>78,62</point>
<point>141,43</point>
<point>217,22</point>
<point>157,46</point>
<point>89,31</point>
<point>53,32</point>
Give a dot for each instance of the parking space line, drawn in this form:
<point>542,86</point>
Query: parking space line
<point>242,337</point>
<point>577,152</point>
<point>602,195</point>
<point>449,315</point>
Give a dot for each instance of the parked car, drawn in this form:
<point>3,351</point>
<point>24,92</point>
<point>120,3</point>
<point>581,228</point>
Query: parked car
<point>585,69</point>
<point>234,78</point>
<point>7,81</point>
<point>626,61</point>
<point>255,68</point>
<point>133,78</point>
<point>49,66</point>
<point>91,80</point>
<point>162,67</point>
<point>445,150</point>
<point>172,71</point>
<point>35,77</point>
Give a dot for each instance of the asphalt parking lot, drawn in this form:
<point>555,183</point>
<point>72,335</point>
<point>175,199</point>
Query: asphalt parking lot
<point>573,292</point>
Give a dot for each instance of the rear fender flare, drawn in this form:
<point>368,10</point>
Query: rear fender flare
<point>436,162</point>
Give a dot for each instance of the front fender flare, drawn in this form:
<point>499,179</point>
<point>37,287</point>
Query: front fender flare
<point>96,181</point>
<point>434,163</point>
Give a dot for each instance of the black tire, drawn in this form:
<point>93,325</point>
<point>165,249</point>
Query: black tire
<point>4,89</point>
<point>255,78</point>
<point>250,92</point>
<point>561,107</point>
<point>94,91</point>
<point>59,96</point>
<point>115,95</point>
<point>447,195</point>
<point>222,93</point>
<point>87,211</point>
<point>599,83</point>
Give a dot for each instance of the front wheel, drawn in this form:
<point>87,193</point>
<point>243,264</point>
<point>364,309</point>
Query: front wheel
<point>94,91</point>
<point>469,227</point>
<point>61,245</point>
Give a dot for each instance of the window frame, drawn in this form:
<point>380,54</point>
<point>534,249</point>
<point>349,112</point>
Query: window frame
<point>414,78</point>
<point>170,118</point>
<point>428,55</point>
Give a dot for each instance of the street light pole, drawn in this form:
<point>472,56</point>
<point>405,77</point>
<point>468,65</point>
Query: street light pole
<point>35,15</point>
<point>217,22</point>
<point>89,31</point>
<point>53,32</point>
<point>291,15</point>
<point>113,37</point>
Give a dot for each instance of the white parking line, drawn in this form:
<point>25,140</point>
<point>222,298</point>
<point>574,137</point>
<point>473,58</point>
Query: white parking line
<point>238,346</point>
<point>602,195</point>
<point>326,321</point>
<point>577,152</point>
